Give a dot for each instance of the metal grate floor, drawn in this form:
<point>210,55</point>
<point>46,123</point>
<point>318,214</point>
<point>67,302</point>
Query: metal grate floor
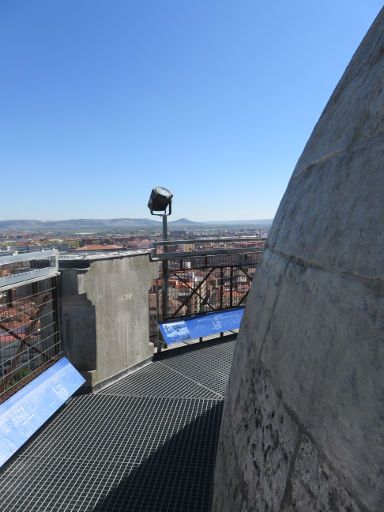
<point>209,365</point>
<point>160,380</point>
<point>146,443</point>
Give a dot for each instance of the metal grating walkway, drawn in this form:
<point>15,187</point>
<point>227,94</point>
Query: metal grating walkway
<point>146,443</point>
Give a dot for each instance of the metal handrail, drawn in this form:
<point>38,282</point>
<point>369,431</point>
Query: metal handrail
<point>27,275</point>
<point>159,243</point>
<point>207,252</point>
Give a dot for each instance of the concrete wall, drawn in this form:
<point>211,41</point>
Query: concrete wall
<point>105,314</point>
<point>303,425</point>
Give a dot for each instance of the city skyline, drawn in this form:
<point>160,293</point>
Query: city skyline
<point>101,101</point>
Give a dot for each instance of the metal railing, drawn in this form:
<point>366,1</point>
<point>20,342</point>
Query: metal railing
<point>205,252</point>
<point>29,318</point>
<point>202,275</point>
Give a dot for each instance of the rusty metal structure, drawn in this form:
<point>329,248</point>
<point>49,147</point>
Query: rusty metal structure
<point>29,317</point>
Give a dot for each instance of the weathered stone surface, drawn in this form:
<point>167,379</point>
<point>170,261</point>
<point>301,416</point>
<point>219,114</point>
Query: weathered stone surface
<point>261,446</point>
<point>311,344</point>
<point>314,486</point>
<point>327,217</point>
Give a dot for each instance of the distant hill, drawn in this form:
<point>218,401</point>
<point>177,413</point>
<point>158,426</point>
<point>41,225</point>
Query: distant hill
<point>121,224</point>
<point>258,222</point>
<point>183,221</point>
<point>76,224</point>
<point>190,224</point>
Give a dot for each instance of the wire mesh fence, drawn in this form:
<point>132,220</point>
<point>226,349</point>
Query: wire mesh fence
<point>29,321</point>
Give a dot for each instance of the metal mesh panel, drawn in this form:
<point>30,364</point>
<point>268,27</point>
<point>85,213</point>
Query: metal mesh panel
<point>160,380</point>
<point>29,333</point>
<point>144,454</point>
<point>207,364</point>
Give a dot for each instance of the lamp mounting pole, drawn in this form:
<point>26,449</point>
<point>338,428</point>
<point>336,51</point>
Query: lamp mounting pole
<point>165,271</point>
<point>160,201</point>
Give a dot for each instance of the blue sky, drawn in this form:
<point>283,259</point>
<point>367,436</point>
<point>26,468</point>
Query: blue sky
<point>101,100</point>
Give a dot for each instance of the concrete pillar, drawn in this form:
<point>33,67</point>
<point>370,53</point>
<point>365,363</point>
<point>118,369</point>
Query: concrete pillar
<point>105,314</point>
<point>303,425</point>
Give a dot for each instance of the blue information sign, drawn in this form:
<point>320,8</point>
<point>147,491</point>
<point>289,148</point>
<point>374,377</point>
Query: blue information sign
<point>200,326</point>
<point>28,409</point>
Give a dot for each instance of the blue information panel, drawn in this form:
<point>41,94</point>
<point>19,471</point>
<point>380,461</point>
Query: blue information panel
<point>28,409</point>
<point>200,326</point>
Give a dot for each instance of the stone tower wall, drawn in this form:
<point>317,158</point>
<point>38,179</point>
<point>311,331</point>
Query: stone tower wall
<point>303,425</point>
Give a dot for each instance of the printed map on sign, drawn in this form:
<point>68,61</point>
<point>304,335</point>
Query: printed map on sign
<point>176,331</point>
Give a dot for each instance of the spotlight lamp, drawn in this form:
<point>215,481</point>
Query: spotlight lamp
<point>159,200</point>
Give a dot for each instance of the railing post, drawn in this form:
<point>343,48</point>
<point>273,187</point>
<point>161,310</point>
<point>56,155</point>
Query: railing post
<point>165,277</point>
<point>221,287</point>
<point>221,292</point>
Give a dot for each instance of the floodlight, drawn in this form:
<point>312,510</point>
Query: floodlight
<point>159,200</point>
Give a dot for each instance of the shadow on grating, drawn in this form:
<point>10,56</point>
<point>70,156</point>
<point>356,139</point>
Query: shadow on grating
<point>178,477</point>
<point>156,472</point>
<point>145,444</point>
<point>116,428</point>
